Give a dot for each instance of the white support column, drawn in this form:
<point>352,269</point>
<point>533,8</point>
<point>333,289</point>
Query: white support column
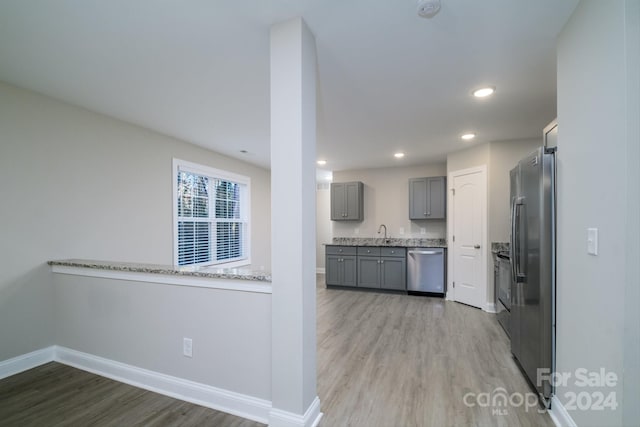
<point>293,200</point>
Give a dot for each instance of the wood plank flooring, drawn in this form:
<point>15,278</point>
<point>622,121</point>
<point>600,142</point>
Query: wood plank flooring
<point>58,395</point>
<point>396,360</point>
<point>384,360</point>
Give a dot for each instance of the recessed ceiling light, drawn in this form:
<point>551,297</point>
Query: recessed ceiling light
<point>468,136</point>
<point>484,91</point>
<point>322,162</point>
<point>398,155</point>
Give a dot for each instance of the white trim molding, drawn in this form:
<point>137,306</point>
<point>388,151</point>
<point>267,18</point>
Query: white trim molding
<point>27,361</point>
<point>200,394</point>
<point>559,414</point>
<point>311,417</point>
<point>490,307</point>
<point>168,279</point>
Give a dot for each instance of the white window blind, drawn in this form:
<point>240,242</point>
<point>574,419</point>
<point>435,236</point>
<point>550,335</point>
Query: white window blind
<point>211,217</point>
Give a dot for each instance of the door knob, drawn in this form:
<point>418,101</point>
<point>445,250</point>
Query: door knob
<point>476,246</point>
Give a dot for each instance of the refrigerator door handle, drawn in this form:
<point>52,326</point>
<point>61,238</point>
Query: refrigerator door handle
<point>512,246</point>
<point>519,276</point>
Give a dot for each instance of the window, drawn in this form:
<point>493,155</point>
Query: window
<point>211,216</point>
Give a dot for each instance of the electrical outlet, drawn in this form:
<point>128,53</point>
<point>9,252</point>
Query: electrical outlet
<point>423,230</point>
<point>187,347</point>
<point>592,241</point>
<point>356,231</point>
<point>401,231</point>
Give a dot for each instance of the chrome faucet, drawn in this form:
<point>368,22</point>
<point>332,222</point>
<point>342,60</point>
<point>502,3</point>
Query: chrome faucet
<point>385,230</point>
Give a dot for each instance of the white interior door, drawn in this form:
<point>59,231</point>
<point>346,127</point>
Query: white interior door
<point>468,236</point>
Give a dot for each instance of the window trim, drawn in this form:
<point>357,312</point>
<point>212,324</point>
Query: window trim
<point>245,202</point>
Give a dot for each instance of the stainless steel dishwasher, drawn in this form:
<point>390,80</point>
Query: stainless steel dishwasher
<point>426,270</point>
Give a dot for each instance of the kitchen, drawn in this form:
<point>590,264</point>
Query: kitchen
<point>91,139</point>
<point>386,201</point>
<point>413,262</point>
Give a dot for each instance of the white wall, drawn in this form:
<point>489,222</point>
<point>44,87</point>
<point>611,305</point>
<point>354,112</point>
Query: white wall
<point>324,232</point>
<point>83,185</point>
<point>386,201</point>
<point>473,156</point>
<point>503,156</point>
<point>631,338</point>
<point>598,187</point>
<point>143,324</point>
<point>499,157</point>
<point>293,160</point>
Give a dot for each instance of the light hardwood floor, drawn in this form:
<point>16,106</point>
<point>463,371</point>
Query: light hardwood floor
<point>384,360</point>
<point>58,395</point>
<point>396,360</point>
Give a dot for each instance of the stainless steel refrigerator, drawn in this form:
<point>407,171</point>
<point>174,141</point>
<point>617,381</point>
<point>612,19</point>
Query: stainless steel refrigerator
<point>533,267</point>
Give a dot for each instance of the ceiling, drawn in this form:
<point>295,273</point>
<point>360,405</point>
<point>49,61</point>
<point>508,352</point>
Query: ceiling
<point>388,80</point>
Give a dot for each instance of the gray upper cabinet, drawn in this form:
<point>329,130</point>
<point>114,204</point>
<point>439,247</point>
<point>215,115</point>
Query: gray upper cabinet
<point>347,201</point>
<point>428,198</point>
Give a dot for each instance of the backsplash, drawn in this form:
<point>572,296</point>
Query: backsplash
<point>408,243</point>
<point>499,247</point>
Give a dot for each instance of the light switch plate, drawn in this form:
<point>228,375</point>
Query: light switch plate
<point>592,241</point>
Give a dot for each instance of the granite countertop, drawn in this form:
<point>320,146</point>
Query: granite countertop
<point>499,247</point>
<point>391,241</point>
<point>242,273</point>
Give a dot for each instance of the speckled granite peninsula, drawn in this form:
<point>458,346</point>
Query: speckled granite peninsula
<point>499,247</point>
<point>391,241</point>
<point>192,271</point>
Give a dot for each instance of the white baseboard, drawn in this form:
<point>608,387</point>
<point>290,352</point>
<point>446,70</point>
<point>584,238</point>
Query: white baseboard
<point>490,307</point>
<point>311,417</point>
<point>559,414</point>
<point>244,406</point>
<point>200,394</point>
<point>320,270</point>
<point>27,361</point>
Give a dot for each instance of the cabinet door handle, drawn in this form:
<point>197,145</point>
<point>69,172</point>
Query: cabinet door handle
<point>428,213</point>
<point>382,262</point>
<point>425,213</point>
<point>339,250</point>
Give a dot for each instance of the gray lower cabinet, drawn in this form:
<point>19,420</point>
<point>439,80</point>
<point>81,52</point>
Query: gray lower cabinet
<point>393,273</point>
<point>347,201</point>
<point>382,268</point>
<point>428,198</point>
<point>341,265</point>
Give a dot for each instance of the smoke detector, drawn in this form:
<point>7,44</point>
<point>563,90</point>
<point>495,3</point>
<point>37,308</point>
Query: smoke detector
<point>428,8</point>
